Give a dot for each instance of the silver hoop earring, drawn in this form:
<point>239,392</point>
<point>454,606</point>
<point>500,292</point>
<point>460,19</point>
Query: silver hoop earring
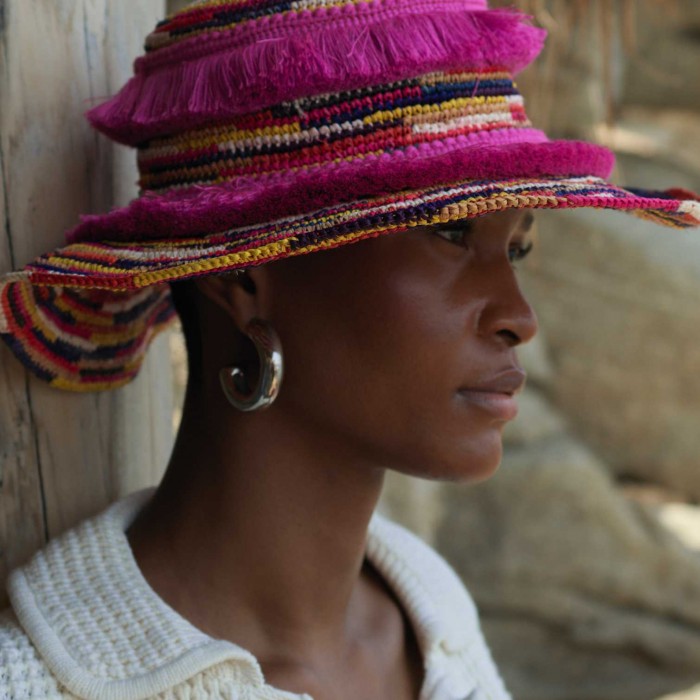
<point>269,348</point>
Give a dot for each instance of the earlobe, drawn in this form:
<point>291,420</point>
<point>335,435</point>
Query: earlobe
<point>235,293</point>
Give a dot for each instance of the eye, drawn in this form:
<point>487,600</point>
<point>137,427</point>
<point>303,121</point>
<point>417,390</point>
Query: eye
<point>455,233</point>
<point>518,252</point>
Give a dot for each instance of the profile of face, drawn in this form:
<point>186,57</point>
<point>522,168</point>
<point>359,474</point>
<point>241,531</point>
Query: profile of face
<point>400,350</point>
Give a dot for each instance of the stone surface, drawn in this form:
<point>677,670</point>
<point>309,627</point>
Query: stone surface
<point>618,302</point>
<point>683,520</point>
<point>664,69</point>
<point>584,594</point>
<point>417,503</point>
<point>537,421</point>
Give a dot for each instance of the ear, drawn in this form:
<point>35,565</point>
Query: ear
<point>239,294</point>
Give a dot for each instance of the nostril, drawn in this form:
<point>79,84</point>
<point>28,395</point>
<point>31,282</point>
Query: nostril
<point>511,338</point>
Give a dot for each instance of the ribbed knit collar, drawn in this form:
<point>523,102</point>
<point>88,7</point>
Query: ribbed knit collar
<point>104,632</point>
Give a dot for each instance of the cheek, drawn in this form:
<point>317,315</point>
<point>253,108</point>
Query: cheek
<point>352,358</point>
<point>378,362</point>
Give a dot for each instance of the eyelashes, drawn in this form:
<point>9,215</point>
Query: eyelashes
<point>459,236</point>
<point>454,235</point>
<point>518,252</point>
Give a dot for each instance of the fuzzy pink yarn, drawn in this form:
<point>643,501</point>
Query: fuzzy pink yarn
<point>213,77</point>
<point>199,210</point>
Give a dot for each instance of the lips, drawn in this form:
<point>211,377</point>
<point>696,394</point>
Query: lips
<point>509,381</point>
<point>496,395</point>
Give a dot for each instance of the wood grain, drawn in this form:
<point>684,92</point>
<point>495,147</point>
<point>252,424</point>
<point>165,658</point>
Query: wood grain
<point>65,456</point>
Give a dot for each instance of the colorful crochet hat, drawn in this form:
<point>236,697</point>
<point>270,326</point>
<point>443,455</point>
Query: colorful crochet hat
<point>272,128</point>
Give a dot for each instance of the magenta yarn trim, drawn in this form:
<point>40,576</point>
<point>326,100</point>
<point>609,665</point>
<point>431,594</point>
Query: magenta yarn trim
<point>201,210</point>
<point>216,76</point>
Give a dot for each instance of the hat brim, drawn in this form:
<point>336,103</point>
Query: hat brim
<point>83,316</point>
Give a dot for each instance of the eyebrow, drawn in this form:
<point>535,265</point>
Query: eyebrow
<point>528,221</point>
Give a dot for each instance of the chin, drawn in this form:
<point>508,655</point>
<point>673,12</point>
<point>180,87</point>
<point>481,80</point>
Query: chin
<point>465,460</point>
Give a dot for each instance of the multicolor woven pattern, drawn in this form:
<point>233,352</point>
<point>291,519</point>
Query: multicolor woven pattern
<point>213,62</point>
<point>339,127</point>
<point>221,15</point>
<point>58,322</point>
<point>127,266</point>
<point>82,340</point>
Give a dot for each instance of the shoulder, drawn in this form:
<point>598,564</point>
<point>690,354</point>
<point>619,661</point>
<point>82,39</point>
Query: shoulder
<point>22,672</point>
<point>431,578</point>
<point>443,611</point>
<point>84,623</point>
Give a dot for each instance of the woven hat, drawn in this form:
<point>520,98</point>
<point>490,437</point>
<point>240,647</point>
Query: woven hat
<point>272,128</point>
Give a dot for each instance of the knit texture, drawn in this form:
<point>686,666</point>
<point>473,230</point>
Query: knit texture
<point>85,623</point>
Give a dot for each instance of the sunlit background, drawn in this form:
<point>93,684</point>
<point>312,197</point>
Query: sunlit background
<point>583,552</point>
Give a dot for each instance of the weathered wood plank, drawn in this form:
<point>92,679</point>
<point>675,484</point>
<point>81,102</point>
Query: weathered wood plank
<point>176,5</point>
<point>64,456</point>
<point>22,520</point>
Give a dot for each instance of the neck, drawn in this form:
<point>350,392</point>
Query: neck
<point>257,532</point>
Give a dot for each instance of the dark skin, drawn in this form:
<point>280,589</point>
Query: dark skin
<point>380,339</point>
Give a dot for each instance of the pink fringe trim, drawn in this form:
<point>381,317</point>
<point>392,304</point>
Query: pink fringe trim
<point>201,210</point>
<point>214,77</point>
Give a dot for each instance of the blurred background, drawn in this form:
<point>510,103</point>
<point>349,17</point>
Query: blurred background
<point>583,552</point>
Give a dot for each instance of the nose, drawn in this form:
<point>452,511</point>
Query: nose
<point>507,316</point>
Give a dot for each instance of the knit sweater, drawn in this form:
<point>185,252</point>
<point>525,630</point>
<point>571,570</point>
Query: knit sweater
<point>84,623</point>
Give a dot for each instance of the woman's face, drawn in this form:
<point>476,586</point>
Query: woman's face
<point>403,347</point>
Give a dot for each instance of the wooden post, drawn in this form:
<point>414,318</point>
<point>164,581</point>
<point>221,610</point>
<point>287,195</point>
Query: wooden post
<point>65,456</point>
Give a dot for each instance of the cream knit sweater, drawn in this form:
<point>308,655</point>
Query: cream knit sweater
<point>84,623</point>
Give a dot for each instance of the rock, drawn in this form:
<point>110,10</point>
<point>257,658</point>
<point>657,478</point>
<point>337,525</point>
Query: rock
<point>536,420</point>
<point>618,301</point>
<point>665,69</point>
<point>416,503</point>
<point>534,357</point>
<point>683,520</point>
<point>583,593</point>
<point>691,694</point>
<point>571,671</point>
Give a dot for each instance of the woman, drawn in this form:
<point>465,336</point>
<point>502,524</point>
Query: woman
<point>266,133</point>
